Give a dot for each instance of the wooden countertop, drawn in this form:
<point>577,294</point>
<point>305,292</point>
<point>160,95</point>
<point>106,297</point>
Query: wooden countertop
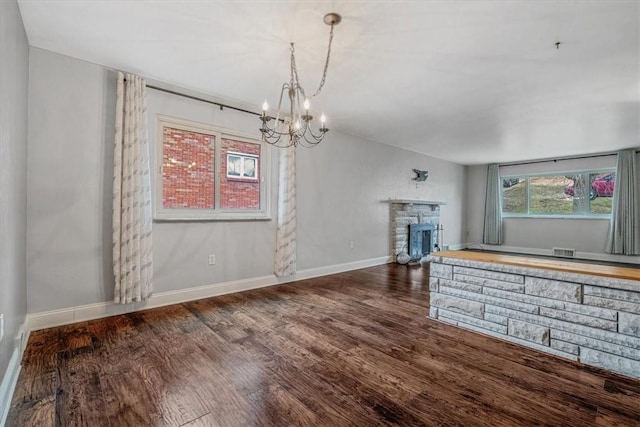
<point>548,264</point>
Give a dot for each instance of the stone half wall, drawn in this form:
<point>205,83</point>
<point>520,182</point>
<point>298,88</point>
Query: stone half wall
<point>586,318</point>
<point>405,212</point>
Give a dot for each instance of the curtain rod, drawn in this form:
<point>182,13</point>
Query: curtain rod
<point>208,101</point>
<point>222,106</point>
<point>591,156</point>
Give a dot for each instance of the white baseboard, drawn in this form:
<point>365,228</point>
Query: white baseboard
<point>82,313</point>
<point>336,268</point>
<point>587,256</point>
<point>9,383</point>
<point>457,246</point>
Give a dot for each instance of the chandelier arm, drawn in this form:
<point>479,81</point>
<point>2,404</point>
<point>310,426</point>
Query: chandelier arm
<point>276,141</point>
<point>302,131</point>
<point>269,132</point>
<point>299,91</point>
<point>284,87</point>
<point>272,133</point>
<point>271,140</point>
<point>310,143</point>
<point>316,138</point>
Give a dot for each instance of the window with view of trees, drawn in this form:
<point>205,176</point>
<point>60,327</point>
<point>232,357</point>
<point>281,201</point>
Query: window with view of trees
<point>205,173</point>
<point>581,193</point>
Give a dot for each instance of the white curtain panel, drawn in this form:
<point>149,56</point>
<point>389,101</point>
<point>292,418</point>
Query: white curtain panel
<point>132,216</point>
<point>285,261</point>
<point>493,208</point>
<point>624,230</point>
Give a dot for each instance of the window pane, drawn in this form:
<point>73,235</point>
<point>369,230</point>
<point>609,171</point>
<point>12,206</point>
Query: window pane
<point>234,164</point>
<point>578,192</point>
<point>601,192</point>
<point>249,169</point>
<point>239,183</point>
<point>514,195</point>
<point>187,169</point>
<point>566,193</point>
<point>553,195</point>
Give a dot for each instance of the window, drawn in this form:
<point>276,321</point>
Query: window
<point>208,173</point>
<point>581,193</point>
<point>242,166</point>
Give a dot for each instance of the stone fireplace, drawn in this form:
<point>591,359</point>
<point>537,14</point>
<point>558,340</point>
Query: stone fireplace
<point>424,218</point>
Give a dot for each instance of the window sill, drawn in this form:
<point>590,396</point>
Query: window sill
<point>236,216</point>
<point>246,180</point>
<point>600,217</point>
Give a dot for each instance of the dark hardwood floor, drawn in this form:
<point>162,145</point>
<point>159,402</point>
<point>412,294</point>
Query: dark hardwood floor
<point>351,349</point>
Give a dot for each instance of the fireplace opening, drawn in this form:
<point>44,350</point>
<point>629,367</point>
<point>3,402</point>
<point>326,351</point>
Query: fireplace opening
<point>420,240</point>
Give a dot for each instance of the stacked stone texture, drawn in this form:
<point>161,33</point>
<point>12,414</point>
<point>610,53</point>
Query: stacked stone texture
<point>591,319</point>
<point>403,214</point>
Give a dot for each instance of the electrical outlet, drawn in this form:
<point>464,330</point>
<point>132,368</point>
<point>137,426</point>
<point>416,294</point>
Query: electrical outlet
<point>1,326</point>
<point>212,259</point>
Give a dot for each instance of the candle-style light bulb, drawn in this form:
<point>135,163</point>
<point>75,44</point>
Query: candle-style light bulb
<point>323,119</point>
<point>265,107</point>
<point>306,105</point>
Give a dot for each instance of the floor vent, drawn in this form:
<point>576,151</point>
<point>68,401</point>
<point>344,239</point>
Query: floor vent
<point>563,252</point>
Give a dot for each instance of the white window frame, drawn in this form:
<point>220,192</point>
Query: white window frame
<point>160,213</point>
<point>243,157</point>
<point>527,176</point>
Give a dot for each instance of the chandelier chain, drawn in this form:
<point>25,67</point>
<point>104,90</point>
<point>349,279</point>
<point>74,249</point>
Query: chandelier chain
<point>294,69</point>
<point>295,80</point>
<point>326,64</point>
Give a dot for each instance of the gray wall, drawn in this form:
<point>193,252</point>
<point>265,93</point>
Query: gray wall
<point>341,187</point>
<point>14,65</point>
<point>69,204</point>
<point>584,235</point>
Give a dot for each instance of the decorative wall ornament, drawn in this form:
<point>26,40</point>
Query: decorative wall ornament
<point>421,176</point>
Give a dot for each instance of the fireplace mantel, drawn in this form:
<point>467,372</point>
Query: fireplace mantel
<point>414,202</point>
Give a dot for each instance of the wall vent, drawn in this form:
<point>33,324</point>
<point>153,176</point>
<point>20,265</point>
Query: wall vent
<point>563,252</point>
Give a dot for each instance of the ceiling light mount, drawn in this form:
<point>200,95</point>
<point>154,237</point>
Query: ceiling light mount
<point>332,18</point>
<point>295,125</point>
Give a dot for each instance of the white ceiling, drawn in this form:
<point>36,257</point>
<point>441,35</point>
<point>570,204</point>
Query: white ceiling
<point>467,81</point>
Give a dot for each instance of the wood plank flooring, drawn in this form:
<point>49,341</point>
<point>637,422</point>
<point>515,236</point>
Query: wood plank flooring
<point>351,349</point>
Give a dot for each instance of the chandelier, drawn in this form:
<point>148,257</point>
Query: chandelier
<point>295,128</point>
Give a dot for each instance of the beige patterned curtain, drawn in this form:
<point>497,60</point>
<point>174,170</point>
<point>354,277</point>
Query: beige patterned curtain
<point>132,217</point>
<point>285,262</point>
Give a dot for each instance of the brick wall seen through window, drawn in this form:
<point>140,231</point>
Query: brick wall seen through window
<point>188,162</point>
<point>204,172</point>
<point>238,193</point>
